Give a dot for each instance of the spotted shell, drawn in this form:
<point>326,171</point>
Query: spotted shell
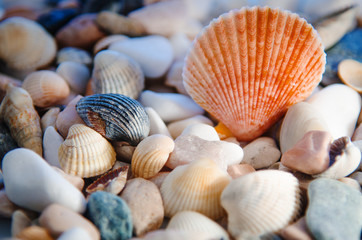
<point>196,186</point>
<point>18,113</point>
<point>25,45</point>
<point>85,153</point>
<point>150,155</point>
<point>115,72</point>
<point>46,88</point>
<point>249,65</point>
<point>115,116</point>
<point>261,202</point>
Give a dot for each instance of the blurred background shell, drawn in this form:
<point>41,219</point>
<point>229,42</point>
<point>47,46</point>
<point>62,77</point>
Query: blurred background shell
<point>75,74</point>
<point>115,72</point>
<point>74,54</point>
<point>25,45</point>
<point>46,88</point>
<point>85,153</point>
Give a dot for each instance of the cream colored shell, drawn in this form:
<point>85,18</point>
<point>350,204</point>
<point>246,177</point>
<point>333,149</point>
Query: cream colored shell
<point>85,152</point>
<point>150,155</point>
<point>196,186</point>
<point>350,73</point>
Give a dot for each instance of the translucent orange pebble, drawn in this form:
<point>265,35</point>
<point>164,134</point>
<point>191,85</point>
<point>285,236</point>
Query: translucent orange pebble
<point>249,65</point>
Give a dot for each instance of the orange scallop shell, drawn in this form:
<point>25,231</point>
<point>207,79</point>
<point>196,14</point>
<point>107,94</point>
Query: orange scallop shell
<point>249,65</point>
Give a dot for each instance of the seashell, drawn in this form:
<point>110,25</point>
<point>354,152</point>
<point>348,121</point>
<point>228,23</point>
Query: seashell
<point>74,55</point>
<point>115,72</point>
<point>18,113</point>
<point>49,118</point>
<point>350,73</point>
<point>261,202</point>
<point>115,116</point>
<point>5,81</point>
<point>25,45</point>
<point>46,88</point>
<point>115,23</point>
<point>248,74</point>
<point>104,43</point>
<point>113,181</point>
<point>75,74</point>
<point>197,187</point>
<point>300,119</point>
<point>150,155</point>
<point>196,222</point>
<point>344,157</point>
<point>85,152</point>
<point>7,143</point>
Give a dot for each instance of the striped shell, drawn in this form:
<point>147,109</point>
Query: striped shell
<point>249,65</point>
<point>115,72</point>
<point>46,88</point>
<point>18,113</point>
<point>196,186</point>
<point>150,155</point>
<point>115,116</point>
<point>261,202</point>
<point>85,153</point>
<point>25,45</point>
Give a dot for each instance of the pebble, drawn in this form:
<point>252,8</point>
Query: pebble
<point>357,176</point>
<point>261,153</point>
<point>58,219</point>
<point>154,53</point>
<point>75,74</point>
<point>310,154</point>
<point>145,202</point>
<point>238,170</point>
<point>177,127</point>
<point>157,125</point>
<point>159,178</point>
<point>296,230</point>
<point>334,211</point>
<point>351,182</point>
<point>49,118</point>
<point>180,44</point>
<point>7,208</point>
<point>51,143</point>
<point>111,215</point>
<point>75,233</point>
<point>35,189</point>
<point>357,134</point>
<point>124,151</point>
<point>19,221</point>
<point>53,20</point>
<point>76,181</point>
<point>74,55</point>
<point>34,233</point>
<point>170,106</point>
<point>201,130</point>
<point>174,77</point>
<point>190,148</point>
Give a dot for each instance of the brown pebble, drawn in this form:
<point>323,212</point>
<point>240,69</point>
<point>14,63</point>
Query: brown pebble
<point>238,170</point>
<point>34,233</point>
<point>296,231</point>
<point>19,221</point>
<point>49,118</point>
<point>309,155</point>
<point>357,176</point>
<point>7,208</point>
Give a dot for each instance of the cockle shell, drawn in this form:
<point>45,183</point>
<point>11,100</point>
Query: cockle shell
<point>150,155</point>
<point>25,45</point>
<point>115,116</point>
<point>350,73</point>
<point>18,113</point>
<point>261,202</point>
<point>46,88</point>
<point>75,74</point>
<point>196,222</point>
<point>115,72</point>
<point>85,152</point>
<point>196,186</point>
<point>248,66</point>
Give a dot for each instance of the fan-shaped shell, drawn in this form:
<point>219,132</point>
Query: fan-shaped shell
<point>191,221</point>
<point>115,116</point>
<point>25,45</point>
<point>248,66</point>
<point>196,186</point>
<point>18,113</point>
<point>85,152</point>
<point>115,72</point>
<point>46,88</point>
<point>150,155</point>
<point>261,202</point>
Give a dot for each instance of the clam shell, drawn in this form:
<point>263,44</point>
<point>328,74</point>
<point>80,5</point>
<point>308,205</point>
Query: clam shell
<point>115,72</point>
<point>25,45</point>
<point>249,65</point>
<point>196,186</point>
<point>150,155</point>
<point>261,202</point>
<point>196,222</point>
<point>18,113</point>
<point>46,88</point>
<point>115,116</point>
<point>7,143</point>
<point>75,74</point>
<point>85,153</point>
<point>350,73</point>
<point>74,55</point>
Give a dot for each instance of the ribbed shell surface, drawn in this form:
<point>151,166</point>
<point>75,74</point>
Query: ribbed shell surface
<point>115,116</point>
<point>249,65</point>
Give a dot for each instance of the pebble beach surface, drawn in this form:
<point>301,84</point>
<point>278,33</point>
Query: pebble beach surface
<point>163,120</point>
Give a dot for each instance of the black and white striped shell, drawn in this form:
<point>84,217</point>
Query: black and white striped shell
<point>115,116</point>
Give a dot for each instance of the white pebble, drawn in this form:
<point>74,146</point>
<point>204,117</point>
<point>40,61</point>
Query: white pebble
<point>51,143</point>
<point>157,125</point>
<point>177,127</point>
<point>75,233</point>
<point>201,130</point>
